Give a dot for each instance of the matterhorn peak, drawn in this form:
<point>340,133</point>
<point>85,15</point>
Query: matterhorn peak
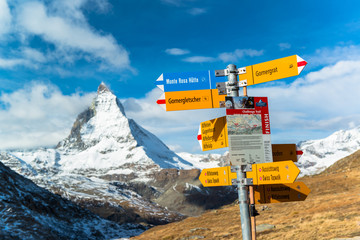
<point>102,88</point>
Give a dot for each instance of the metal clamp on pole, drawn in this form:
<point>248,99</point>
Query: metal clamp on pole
<point>226,72</point>
<point>234,168</point>
<point>242,181</point>
<point>246,168</point>
<point>232,86</point>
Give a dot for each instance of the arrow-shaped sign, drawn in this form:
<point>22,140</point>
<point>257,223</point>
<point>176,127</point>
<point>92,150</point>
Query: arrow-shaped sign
<point>188,81</point>
<point>198,90</point>
<point>277,193</point>
<point>189,100</point>
<point>215,177</point>
<point>273,173</point>
<point>213,134</point>
<point>272,70</point>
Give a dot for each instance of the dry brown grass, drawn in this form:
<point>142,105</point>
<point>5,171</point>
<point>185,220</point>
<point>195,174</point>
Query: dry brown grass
<point>332,210</point>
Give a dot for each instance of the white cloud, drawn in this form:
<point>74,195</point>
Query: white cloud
<point>197,11</point>
<point>5,17</point>
<point>239,54</point>
<point>33,55</point>
<point>38,115</point>
<point>326,56</point>
<point>199,59</point>
<point>173,2</point>
<point>11,63</point>
<point>71,34</point>
<point>284,46</point>
<point>226,56</point>
<point>26,56</point>
<point>177,51</point>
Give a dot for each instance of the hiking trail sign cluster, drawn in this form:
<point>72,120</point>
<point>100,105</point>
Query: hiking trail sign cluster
<point>265,171</point>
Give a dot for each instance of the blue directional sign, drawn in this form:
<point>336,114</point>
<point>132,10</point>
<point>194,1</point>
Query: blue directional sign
<point>187,81</point>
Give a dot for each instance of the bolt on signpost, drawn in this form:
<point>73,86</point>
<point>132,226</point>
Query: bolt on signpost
<point>245,130</point>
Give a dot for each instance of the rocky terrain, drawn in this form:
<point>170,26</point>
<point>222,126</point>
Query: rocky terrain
<point>30,212</point>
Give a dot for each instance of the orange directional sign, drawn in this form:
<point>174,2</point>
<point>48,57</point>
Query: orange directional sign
<point>213,134</point>
<point>214,177</point>
<point>272,70</point>
<point>273,173</point>
<point>277,193</point>
<point>189,100</point>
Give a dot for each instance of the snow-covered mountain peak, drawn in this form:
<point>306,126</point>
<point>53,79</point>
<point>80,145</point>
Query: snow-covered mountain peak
<point>102,88</point>
<point>105,120</point>
<point>107,102</point>
<point>103,137</point>
<point>322,153</point>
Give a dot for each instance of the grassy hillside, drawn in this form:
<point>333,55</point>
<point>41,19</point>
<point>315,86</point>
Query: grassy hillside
<point>332,210</point>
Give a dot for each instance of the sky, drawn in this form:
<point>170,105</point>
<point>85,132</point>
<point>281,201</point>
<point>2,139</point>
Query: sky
<point>54,55</point>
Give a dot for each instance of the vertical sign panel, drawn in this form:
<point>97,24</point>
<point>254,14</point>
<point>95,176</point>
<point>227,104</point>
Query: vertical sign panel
<point>248,130</point>
<point>213,134</point>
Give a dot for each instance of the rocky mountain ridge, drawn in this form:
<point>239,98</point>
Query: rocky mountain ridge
<point>30,212</point>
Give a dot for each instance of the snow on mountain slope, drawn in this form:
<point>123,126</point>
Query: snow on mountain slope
<point>320,154</point>
<point>104,138</point>
<point>103,150</point>
<point>202,161</point>
<point>30,212</point>
<point>317,154</point>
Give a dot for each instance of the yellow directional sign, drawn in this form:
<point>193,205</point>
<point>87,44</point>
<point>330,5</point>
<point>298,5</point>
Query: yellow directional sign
<point>277,193</point>
<point>273,173</point>
<point>273,70</point>
<point>188,100</point>
<point>214,177</point>
<point>213,134</point>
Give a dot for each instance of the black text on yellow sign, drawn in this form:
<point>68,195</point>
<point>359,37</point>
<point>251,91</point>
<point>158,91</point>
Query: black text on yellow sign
<point>215,177</point>
<point>273,173</point>
<point>213,134</point>
<point>197,99</point>
<point>273,70</point>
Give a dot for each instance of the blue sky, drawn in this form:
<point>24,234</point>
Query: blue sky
<point>54,54</point>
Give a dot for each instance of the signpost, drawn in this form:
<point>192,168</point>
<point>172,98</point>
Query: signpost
<point>273,173</point>
<point>213,134</point>
<point>278,193</point>
<point>189,100</point>
<point>246,131</point>
<point>284,172</point>
<point>272,70</point>
<point>285,152</point>
<point>188,81</point>
<point>189,90</point>
<point>214,177</point>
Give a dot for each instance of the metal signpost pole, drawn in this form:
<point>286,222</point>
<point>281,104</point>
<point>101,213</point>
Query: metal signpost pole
<point>233,91</point>
<point>252,199</point>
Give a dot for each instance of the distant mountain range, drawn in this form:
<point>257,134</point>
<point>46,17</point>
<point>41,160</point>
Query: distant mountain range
<point>122,172</point>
